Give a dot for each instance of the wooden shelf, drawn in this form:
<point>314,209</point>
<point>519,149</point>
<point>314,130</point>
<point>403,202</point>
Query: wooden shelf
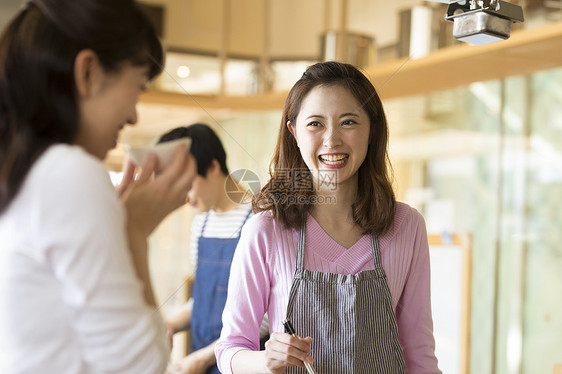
<point>525,52</point>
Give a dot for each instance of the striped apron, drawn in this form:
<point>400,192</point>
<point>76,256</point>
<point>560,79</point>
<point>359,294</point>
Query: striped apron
<point>349,317</point>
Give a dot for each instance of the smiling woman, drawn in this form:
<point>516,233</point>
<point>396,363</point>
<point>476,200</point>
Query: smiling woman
<point>352,272</point>
<point>75,291</point>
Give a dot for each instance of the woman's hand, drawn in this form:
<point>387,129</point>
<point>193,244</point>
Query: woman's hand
<point>283,350</point>
<point>149,200</point>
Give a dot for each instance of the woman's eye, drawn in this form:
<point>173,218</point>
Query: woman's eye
<point>348,122</point>
<point>314,124</point>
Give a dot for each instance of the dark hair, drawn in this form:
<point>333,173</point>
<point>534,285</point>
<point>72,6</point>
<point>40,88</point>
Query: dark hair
<point>205,146</point>
<point>374,207</point>
<point>38,100</point>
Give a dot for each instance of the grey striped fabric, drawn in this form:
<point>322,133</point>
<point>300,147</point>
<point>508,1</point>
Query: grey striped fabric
<point>349,317</point>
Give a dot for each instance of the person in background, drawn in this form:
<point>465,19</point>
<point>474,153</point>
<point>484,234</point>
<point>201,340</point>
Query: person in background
<point>215,232</point>
<point>75,291</point>
<point>329,247</point>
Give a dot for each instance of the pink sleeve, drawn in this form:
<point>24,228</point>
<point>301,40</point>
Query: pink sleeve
<point>248,292</point>
<point>413,312</point>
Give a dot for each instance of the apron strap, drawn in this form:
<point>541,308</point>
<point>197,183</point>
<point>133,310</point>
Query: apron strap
<point>376,251</point>
<point>300,250</point>
<point>205,223</point>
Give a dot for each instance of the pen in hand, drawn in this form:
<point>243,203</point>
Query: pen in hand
<point>290,330</point>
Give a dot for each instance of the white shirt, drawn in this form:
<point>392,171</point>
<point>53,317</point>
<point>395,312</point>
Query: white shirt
<point>70,301</point>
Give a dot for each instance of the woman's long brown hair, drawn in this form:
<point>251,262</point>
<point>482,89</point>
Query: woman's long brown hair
<point>38,105</point>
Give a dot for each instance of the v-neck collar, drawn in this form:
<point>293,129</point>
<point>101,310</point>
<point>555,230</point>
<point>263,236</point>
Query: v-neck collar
<point>322,244</point>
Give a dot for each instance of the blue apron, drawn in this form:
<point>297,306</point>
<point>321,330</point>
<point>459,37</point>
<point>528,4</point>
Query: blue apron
<point>214,257</point>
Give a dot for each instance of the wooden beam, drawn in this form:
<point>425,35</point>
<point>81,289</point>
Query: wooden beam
<point>527,51</point>
<point>270,101</point>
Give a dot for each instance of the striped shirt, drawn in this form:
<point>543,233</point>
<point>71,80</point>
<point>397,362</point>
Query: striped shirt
<point>264,264</point>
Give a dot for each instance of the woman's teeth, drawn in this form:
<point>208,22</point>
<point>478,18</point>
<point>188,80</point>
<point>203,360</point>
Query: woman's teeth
<point>333,159</point>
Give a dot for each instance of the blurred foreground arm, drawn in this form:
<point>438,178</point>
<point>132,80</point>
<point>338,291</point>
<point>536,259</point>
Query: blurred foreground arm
<point>148,200</point>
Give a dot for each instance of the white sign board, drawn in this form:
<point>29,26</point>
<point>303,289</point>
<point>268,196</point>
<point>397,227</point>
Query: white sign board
<point>447,298</point>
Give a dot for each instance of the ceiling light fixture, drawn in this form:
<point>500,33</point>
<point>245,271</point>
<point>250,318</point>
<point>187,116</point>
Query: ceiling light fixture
<point>482,21</point>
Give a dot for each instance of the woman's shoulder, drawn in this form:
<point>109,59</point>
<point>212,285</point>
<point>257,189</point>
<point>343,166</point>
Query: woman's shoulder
<point>264,225</point>
<point>69,154</point>
<point>266,238</point>
<point>406,213</point>
<point>64,186</point>
<point>406,221</point>
<point>261,221</point>
<point>69,161</point>
<point>68,173</point>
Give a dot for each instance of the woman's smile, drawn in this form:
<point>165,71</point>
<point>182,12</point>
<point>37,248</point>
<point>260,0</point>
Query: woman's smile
<point>333,160</point>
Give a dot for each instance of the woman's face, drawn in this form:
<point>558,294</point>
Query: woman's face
<point>332,132</point>
<point>108,105</point>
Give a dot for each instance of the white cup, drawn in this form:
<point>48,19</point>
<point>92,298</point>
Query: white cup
<point>163,151</point>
